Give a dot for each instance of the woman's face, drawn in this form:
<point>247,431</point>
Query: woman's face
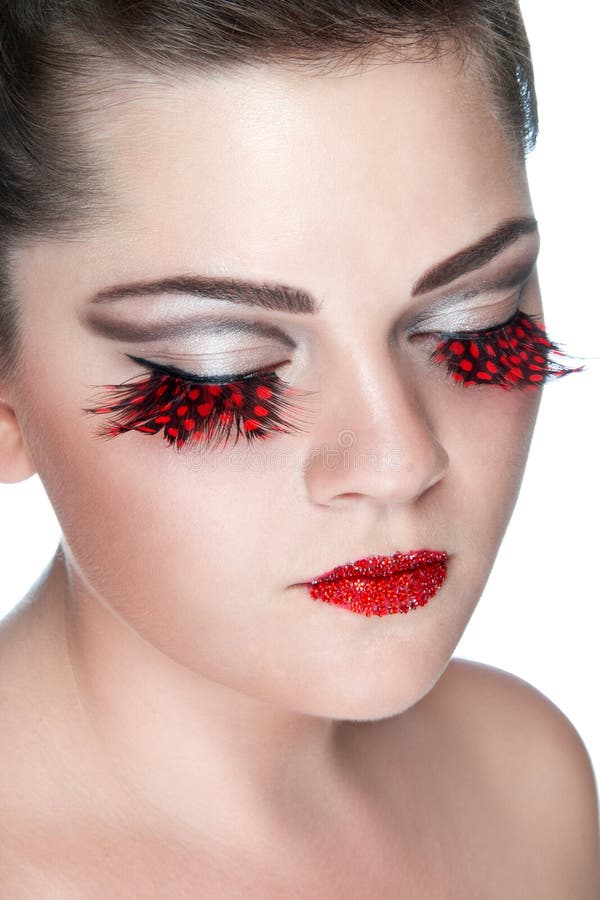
<point>349,187</point>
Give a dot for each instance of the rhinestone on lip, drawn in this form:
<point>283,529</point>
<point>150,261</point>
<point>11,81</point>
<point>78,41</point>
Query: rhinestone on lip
<point>384,585</point>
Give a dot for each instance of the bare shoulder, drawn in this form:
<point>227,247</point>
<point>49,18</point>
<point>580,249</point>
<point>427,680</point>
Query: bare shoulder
<point>515,714</point>
<point>536,763</point>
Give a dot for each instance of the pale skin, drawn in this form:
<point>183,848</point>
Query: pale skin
<point>177,715</point>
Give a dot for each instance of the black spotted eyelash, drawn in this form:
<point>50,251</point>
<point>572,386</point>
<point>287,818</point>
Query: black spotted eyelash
<point>206,412</point>
<point>516,354</point>
<point>202,412</point>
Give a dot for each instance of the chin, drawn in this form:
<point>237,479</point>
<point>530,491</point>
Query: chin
<point>368,696</point>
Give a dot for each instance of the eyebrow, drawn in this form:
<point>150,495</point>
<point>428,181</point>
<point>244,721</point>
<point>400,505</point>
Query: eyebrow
<point>283,298</point>
<point>474,257</point>
<point>270,296</point>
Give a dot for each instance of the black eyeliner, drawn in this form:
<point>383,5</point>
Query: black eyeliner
<point>198,379</point>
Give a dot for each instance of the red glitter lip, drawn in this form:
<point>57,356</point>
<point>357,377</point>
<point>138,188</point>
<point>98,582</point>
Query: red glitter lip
<point>383,585</point>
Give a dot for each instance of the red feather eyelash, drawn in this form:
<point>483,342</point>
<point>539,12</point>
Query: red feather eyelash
<point>196,412</point>
<point>192,412</point>
<point>514,355</point>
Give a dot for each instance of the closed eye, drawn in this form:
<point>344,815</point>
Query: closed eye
<point>514,354</point>
<point>201,411</point>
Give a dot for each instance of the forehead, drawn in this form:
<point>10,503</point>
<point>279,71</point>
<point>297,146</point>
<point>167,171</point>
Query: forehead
<point>272,164</point>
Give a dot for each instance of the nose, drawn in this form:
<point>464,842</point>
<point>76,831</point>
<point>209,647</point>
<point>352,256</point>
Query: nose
<point>373,440</point>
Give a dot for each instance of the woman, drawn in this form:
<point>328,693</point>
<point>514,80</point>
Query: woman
<point>273,340</point>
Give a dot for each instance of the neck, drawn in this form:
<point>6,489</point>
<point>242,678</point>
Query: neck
<point>186,750</point>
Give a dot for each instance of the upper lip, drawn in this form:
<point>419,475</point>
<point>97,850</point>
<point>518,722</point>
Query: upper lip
<point>383,565</point>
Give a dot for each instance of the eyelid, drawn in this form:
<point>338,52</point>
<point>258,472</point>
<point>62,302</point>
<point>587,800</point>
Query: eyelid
<point>200,362</point>
<point>192,327</point>
<point>516,280</point>
<point>488,329</point>
<point>203,379</point>
<point>483,319</point>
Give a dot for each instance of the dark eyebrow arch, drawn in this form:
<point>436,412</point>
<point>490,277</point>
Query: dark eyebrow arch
<point>475,256</point>
<point>283,298</point>
<point>270,296</point>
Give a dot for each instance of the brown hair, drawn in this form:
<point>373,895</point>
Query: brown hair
<point>58,57</point>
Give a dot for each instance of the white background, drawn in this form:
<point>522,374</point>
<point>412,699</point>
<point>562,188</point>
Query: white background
<point>538,617</point>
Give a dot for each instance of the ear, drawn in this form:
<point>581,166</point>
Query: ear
<point>15,462</point>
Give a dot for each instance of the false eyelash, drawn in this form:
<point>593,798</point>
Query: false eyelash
<point>516,354</point>
<point>201,412</point>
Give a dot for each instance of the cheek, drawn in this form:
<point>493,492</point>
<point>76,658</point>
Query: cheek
<point>150,527</point>
<point>491,435</point>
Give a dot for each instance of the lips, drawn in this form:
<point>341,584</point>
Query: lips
<point>383,585</point>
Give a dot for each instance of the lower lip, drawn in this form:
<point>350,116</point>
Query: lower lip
<point>423,573</point>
